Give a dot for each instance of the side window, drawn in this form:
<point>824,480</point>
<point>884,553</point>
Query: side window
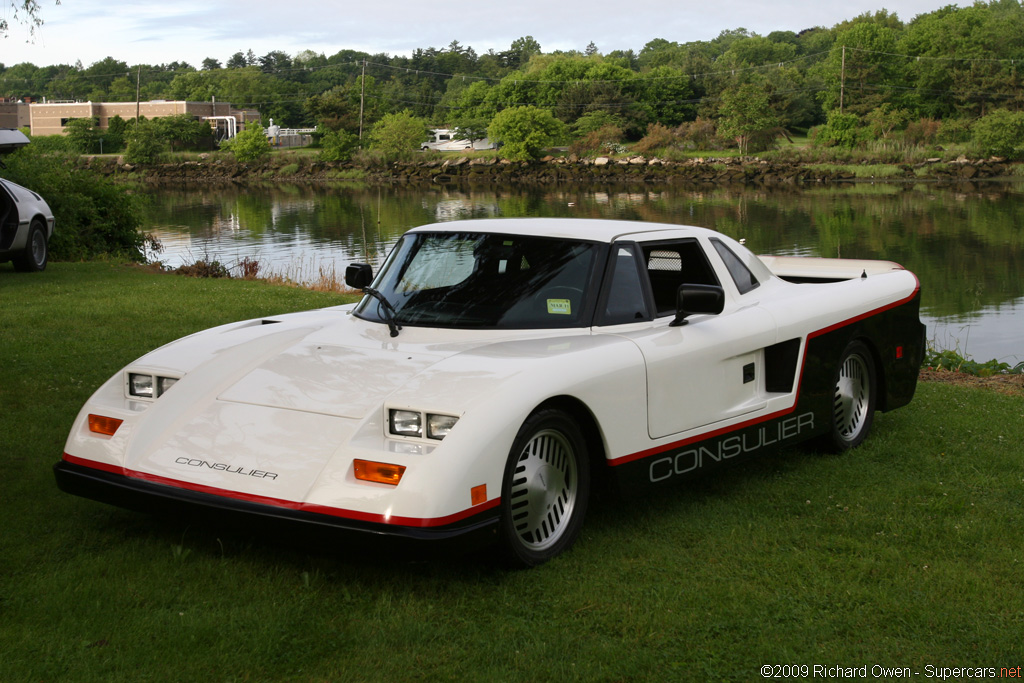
<point>670,264</point>
<point>741,275</point>
<point>625,302</point>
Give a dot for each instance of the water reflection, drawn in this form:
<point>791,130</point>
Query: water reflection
<point>964,244</point>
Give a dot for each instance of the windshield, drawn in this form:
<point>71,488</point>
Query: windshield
<point>484,280</point>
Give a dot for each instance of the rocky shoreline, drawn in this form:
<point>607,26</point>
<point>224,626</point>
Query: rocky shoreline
<point>553,170</point>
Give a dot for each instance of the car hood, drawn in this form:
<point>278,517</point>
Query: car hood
<point>326,362</point>
<point>323,374</point>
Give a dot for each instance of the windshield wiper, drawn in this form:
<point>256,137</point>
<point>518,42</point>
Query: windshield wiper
<point>389,312</point>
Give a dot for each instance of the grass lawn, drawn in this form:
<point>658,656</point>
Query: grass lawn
<point>903,553</point>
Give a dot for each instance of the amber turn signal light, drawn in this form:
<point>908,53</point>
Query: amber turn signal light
<point>380,472</point>
<point>98,424</point>
<point>478,494</point>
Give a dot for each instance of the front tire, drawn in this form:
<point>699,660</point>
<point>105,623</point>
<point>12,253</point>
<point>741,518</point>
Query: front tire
<point>545,489</point>
<point>37,250</point>
<point>854,396</point>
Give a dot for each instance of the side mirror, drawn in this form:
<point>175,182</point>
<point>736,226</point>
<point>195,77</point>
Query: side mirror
<point>692,299</point>
<point>358,275</point>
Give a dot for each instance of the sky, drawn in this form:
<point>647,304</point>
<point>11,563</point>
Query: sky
<point>156,32</point>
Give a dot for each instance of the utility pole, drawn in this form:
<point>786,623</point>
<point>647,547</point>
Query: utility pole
<point>842,80</point>
<point>138,82</point>
<point>362,94</point>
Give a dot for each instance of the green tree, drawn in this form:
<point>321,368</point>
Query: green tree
<point>145,142</point>
<point>745,113</point>
<point>81,135</point>
<point>525,132</point>
<point>182,130</point>
<point>971,55</point>
<point>114,138</point>
<point>863,75</point>
<point>249,145</point>
<point>470,128</point>
<point>520,51</point>
<point>668,96</point>
<point>396,136</point>
<point>338,107</point>
<point>595,120</point>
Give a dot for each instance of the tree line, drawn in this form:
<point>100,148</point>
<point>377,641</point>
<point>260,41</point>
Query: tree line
<point>868,77</point>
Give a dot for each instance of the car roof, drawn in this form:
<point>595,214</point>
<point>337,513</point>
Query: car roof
<point>591,229</point>
<point>11,139</point>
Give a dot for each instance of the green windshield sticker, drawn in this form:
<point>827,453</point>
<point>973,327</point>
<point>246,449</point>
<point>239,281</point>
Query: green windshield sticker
<point>559,307</point>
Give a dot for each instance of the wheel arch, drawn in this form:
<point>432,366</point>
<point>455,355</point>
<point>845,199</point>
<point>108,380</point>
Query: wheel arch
<point>881,392</point>
<point>591,429</point>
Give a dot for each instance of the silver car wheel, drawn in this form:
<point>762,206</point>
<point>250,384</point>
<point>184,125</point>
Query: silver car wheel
<point>544,489</point>
<point>33,257</point>
<point>37,249</point>
<point>852,401</point>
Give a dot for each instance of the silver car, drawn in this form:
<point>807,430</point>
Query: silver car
<point>26,222</point>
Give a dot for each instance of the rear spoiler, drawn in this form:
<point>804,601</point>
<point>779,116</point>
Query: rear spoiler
<point>818,269</point>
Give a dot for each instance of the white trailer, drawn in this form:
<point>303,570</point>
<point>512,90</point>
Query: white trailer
<point>444,140</point>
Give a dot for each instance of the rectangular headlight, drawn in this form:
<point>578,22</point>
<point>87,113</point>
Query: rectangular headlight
<point>140,385</point>
<point>438,426</point>
<point>163,384</point>
<point>405,423</point>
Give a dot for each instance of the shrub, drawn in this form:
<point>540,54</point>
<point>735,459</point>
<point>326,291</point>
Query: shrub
<point>202,268</point>
<point>337,145</point>
<point>954,131</point>
<point>249,145</point>
<point>525,131</point>
<point>951,360</point>
<point>840,130</point>
<point>922,132</point>
<point>603,140</point>
<point>699,134</point>
<point>48,144</point>
<point>93,215</point>
<point>145,142</point>
<point>596,120</point>
<point>1000,133</point>
<point>658,137</point>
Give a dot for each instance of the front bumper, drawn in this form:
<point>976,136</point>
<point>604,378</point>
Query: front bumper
<point>325,531</point>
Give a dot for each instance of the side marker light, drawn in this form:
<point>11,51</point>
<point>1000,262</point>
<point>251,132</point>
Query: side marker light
<point>478,494</point>
<point>99,424</point>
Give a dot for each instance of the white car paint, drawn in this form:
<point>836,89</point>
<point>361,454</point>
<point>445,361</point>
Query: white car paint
<point>275,411</point>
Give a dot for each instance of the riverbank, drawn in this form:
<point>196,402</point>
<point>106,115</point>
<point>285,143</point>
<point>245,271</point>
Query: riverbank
<point>438,169</point>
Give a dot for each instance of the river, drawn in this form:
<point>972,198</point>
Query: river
<point>965,244</point>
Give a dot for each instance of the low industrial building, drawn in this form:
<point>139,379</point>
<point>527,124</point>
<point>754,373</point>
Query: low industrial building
<point>49,118</point>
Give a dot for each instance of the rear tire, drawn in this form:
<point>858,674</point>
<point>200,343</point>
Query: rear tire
<point>854,395</point>
<point>545,489</point>
<point>37,250</point>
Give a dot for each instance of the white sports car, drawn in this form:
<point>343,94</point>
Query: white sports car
<point>493,370</point>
